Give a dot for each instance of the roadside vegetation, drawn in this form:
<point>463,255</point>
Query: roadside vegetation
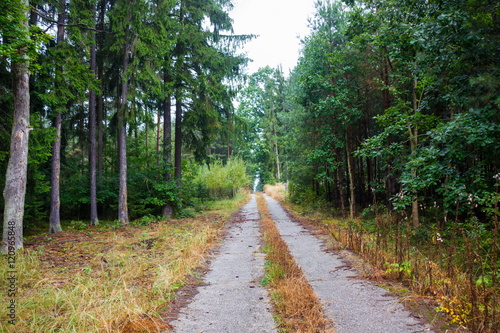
<point>111,278</point>
<point>455,276</point>
<point>296,306</point>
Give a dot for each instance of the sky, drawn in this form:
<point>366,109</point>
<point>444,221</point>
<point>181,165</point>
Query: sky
<point>280,24</point>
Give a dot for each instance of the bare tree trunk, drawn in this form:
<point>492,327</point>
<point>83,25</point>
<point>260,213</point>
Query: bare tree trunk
<point>15,177</point>
<point>55,201</point>
<point>167,143</point>
<point>350,170</point>
<point>340,184</point>
<point>158,133</point>
<point>276,151</point>
<point>178,138</point>
<point>413,132</point>
<point>100,102</point>
<point>122,140</point>
<point>92,132</point>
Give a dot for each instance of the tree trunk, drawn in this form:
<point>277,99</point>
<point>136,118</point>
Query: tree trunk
<point>413,132</point>
<point>350,170</point>
<point>92,132</point>
<point>178,138</point>
<point>55,201</point>
<point>167,142</point>
<point>15,177</point>
<point>100,101</point>
<point>276,151</point>
<point>122,140</point>
<point>158,134</point>
<point>340,184</point>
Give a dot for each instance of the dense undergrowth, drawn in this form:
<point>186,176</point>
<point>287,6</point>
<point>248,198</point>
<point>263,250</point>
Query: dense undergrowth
<point>458,269</point>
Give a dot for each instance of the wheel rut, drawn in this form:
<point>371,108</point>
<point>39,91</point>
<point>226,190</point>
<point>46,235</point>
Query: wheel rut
<point>354,305</point>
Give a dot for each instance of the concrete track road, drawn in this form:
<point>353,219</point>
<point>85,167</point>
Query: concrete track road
<point>232,300</point>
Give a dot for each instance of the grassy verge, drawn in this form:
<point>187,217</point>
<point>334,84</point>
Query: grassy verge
<point>296,305</point>
<point>440,293</point>
<point>108,279</point>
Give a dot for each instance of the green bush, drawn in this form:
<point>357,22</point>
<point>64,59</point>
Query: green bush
<point>223,181</point>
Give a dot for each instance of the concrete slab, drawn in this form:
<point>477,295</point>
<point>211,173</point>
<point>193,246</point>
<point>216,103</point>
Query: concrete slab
<point>354,305</point>
<point>232,300</point>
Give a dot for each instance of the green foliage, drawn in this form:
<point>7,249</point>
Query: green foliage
<point>262,103</point>
<point>77,225</point>
<point>223,180</point>
<point>404,267</point>
<point>146,220</point>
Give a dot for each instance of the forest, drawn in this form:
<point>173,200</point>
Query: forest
<point>390,119</point>
<point>124,102</point>
<point>125,109</point>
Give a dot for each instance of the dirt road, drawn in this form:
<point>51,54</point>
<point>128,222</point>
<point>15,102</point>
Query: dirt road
<point>354,305</point>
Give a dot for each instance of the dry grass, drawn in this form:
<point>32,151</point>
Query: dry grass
<point>108,279</point>
<point>297,306</point>
<point>277,191</point>
<point>447,288</point>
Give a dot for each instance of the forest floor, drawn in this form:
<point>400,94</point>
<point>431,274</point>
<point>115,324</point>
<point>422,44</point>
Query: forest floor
<point>109,278</point>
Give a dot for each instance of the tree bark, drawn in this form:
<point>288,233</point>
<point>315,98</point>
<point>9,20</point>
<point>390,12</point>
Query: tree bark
<point>276,151</point>
<point>413,132</point>
<point>17,167</point>
<point>92,132</point>
<point>340,182</point>
<point>178,138</point>
<point>100,101</point>
<point>122,140</point>
<point>167,142</point>
<point>350,171</point>
<point>55,200</point>
<point>158,134</point>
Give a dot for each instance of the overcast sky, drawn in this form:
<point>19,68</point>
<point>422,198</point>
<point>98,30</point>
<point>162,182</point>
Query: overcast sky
<point>280,25</point>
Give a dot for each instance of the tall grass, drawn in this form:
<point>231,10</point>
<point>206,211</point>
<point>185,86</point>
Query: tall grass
<point>276,191</point>
<point>223,180</point>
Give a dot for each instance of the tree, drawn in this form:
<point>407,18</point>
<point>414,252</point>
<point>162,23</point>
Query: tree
<point>92,127</point>
<point>55,201</point>
<point>16,35</point>
<point>261,104</point>
<point>203,60</point>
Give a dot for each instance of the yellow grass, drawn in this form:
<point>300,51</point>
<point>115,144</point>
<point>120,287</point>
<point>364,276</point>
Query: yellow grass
<point>276,191</point>
<point>297,306</point>
<point>108,279</point>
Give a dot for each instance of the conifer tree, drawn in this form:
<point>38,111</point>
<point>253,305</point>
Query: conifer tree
<point>15,33</point>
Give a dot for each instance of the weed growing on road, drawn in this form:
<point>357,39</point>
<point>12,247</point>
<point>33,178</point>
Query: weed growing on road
<point>297,306</point>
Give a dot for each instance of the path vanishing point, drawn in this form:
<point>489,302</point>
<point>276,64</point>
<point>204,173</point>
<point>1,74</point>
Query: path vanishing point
<point>231,299</point>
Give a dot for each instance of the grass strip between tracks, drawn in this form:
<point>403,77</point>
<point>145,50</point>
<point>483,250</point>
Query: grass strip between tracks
<point>296,306</point>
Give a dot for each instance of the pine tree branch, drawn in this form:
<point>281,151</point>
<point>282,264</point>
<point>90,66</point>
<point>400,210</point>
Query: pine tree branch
<point>51,20</point>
